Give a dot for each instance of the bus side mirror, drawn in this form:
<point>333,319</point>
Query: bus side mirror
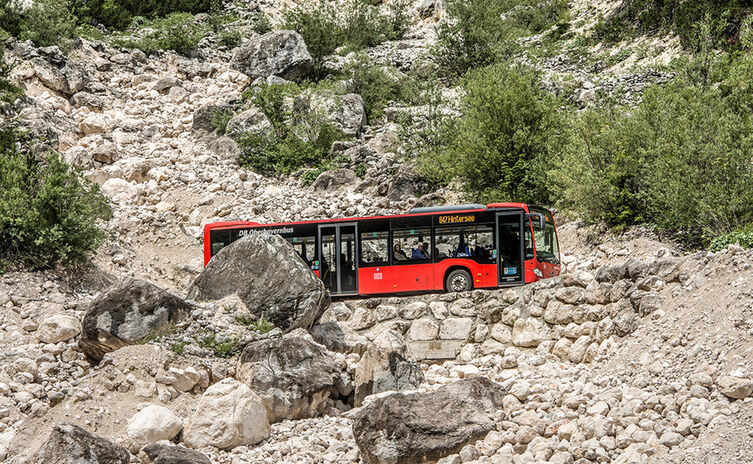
<point>537,219</point>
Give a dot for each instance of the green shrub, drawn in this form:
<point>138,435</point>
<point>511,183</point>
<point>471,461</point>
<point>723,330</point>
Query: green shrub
<point>220,120</point>
<point>178,32</point>
<point>178,347</point>
<point>679,16</point>
<point>744,238</point>
<point>356,25</point>
<point>49,214</point>
<point>118,14</point>
<point>287,152</point>
<point>230,39</point>
<point>261,23</point>
<point>259,325</point>
<point>47,22</point>
<point>378,86</point>
<point>680,161</point>
<point>502,146</point>
<point>221,349</point>
<point>8,92</point>
<point>478,33</point>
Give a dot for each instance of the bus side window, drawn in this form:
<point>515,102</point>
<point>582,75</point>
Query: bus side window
<point>374,248</point>
<point>218,240</point>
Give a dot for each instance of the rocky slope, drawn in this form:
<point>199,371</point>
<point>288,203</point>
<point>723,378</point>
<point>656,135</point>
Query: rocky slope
<point>639,353</point>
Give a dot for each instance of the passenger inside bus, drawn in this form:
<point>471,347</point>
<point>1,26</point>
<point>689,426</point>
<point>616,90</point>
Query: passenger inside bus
<point>419,252</point>
<point>399,254</point>
<point>462,249</point>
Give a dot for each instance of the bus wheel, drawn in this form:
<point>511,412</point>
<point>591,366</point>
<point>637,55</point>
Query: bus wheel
<point>458,280</point>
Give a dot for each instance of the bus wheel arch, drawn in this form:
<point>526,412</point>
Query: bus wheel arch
<point>458,279</point>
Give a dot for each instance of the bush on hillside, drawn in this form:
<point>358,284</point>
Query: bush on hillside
<point>177,31</point>
<point>355,26</point>
<point>297,141</point>
<point>8,92</point>
<point>49,214</point>
<point>478,33</point>
<point>118,14</point>
<point>744,238</point>
<point>725,18</point>
<point>46,22</point>
<point>680,161</point>
<point>378,86</point>
<point>502,146</point>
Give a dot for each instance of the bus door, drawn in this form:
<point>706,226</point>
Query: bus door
<point>510,248</point>
<point>338,253</point>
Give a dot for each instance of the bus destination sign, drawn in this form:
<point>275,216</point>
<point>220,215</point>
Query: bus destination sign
<point>456,219</point>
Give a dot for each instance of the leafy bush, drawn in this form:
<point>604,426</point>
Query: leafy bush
<point>680,161</point>
<point>299,139</point>
<point>744,238</point>
<point>261,23</point>
<point>177,31</point>
<point>46,22</point>
<point>118,14</point>
<point>220,120</point>
<point>679,16</point>
<point>502,145</point>
<point>49,214</point>
<point>221,349</point>
<point>8,92</point>
<point>379,85</point>
<point>478,33</point>
<point>357,25</point>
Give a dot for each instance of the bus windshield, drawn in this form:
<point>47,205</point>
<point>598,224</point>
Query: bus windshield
<point>545,241</point>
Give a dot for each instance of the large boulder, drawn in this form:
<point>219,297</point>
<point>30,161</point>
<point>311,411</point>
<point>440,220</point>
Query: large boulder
<point>735,387</point>
<point>206,118</point>
<point>67,78</point>
<point>59,328</point>
<point>252,120</point>
<point>278,53</point>
<point>334,179</point>
<point>269,277</point>
<point>339,337</point>
<point>229,414</point>
<point>409,428</point>
<point>406,183</point>
<point>346,112</point>
<point>292,375</point>
<point>152,424</point>
<point>165,453</point>
<point>70,444</point>
<point>127,314</point>
<point>386,365</point>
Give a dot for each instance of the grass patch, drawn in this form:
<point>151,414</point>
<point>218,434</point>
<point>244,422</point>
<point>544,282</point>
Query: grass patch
<point>224,349</point>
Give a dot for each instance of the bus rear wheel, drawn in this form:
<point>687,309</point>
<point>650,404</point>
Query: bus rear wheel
<point>459,280</point>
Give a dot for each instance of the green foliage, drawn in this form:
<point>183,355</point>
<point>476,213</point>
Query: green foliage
<point>220,120</point>
<point>478,33</point>
<point>261,23</point>
<point>378,86</point>
<point>355,26</point>
<point>118,14</point>
<point>502,145</point>
<point>680,161</point>
<point>682,17</point>
<point>230,39</point>
<point>221,349</point>
<point>47,22</point>
<point>299,139</point>
<point>8,92</point>
<point>49,213</point>
<point>311,175</point>
<point>743,237</point>
<point>178,32</point>
<point>258,325</point>
<point>178,347</point>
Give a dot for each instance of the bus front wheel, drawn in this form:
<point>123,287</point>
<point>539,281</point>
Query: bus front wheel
<point>459,280</point>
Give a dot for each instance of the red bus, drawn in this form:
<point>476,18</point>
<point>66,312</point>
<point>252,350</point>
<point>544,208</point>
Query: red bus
<point>453,248</point>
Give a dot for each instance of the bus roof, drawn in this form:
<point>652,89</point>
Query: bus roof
<point>413,212</point>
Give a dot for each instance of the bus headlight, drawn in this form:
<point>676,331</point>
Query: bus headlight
<point>538,272</point>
